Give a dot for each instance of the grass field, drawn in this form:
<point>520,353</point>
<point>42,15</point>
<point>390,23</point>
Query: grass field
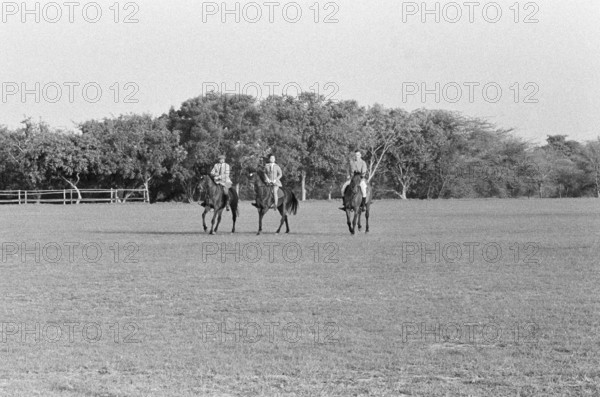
<point>141,302</point>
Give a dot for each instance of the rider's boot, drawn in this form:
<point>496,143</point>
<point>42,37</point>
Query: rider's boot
<point>343,207</point>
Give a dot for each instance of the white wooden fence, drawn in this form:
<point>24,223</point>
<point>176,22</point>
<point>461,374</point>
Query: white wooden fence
<point>69,196</point>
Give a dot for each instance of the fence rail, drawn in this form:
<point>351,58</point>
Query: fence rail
<point>70,196</point>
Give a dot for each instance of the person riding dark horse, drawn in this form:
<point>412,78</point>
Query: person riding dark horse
<point>264,187</point>
<point>355,166</point>
<point>221,172</point>
<point>215,198</point>
<point>356,194</point>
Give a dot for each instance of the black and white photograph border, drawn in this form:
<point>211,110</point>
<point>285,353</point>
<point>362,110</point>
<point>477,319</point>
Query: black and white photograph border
<point>299,198</point>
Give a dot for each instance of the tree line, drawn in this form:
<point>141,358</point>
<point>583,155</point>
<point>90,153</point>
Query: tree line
<point>419,154</point>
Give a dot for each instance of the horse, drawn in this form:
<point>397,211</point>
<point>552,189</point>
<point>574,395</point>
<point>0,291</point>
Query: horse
<point>215,199</point>
<point>352,200</point>
<point>264,200</point>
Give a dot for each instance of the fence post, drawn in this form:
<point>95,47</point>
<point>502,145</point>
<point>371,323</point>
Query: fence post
<point>71,196</point>
<point>25,196</point>
<point>111,195</point>
<point>64,197</point>
<point>19,197</point>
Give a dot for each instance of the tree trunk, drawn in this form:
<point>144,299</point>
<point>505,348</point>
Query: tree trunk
<point>303,185</point>
<point>404,183</point>
<point>237,189</point>
<point>442,188</point>
<point>146,187</point>
<point>74,186</point>
<point>404,191</point>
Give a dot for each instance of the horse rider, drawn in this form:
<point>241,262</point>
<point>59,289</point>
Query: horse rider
<point>220,172</point>
<point>356,165</point>
<point>273,175</point>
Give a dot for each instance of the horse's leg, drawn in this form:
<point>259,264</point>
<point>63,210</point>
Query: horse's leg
<point>206,209</point>
<point>359,216</point>
<point>234,207</point>
<point>285,215</point>
<point>234,218</point>
<point>212,223</point>
<point>356,212</point>
<point>218,219</point>
<point>281,209</point>
<point>367,217</point>
<point>348,220</point>
<point>260,216</point>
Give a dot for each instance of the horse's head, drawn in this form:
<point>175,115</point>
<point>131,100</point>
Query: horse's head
<point>206,180</point>
<point>355,181</point>
<point>258,176</point>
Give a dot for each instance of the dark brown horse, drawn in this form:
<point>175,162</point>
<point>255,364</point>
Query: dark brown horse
<point>265,199</point>
<point>352,200</point>
<point>215,199</point>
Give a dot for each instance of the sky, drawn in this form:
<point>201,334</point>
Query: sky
<point>530,66</point>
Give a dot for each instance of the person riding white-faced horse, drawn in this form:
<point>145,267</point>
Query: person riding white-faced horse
<point>359,166</point>
<point>220,173</point>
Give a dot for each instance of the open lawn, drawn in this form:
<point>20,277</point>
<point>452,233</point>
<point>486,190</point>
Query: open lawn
<point>441,298</point>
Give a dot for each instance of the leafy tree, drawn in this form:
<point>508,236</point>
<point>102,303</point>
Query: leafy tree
<point>406,158</point>
<point>591,154</point>
<point>135,150</point>
<point>381,130</point>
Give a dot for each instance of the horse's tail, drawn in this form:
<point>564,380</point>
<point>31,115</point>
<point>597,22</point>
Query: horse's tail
<point>234,201</point>
<point>292,204</point>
